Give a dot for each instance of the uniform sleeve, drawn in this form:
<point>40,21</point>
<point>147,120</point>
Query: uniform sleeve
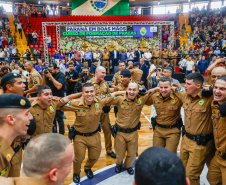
<point>72,105</point>
<point>148,100</point>
<point>36,79</point>
<point>108,100</point>
<point>179,92</point>
<point>108,89</point>
<point>113,80</point>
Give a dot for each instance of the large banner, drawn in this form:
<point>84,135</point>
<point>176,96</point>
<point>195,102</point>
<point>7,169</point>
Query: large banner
<point>100,7</point>
<point>131,36</point>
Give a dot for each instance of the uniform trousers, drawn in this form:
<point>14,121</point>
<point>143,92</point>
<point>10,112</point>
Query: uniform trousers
<point>126,142</point>
<point>81,143</point>
<point>104,119</point>
<point>217,170</point>
<point>156,62</point>
<point>173,62</point>
<point>193,157</point>
<point>167,138</point>
<point>59,118</point>
<point>106,63</point>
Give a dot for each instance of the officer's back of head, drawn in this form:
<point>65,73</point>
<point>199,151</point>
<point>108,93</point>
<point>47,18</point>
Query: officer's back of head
<point>158,166</point>
<point>48,157</point>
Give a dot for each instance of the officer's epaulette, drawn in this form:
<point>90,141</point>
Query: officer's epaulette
<point>104,96</point>
<point>81,110</point>
<point>125,103</point>
<point>177,89</point>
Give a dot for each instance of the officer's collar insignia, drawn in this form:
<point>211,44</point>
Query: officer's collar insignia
<point>35,114</point>
<point>201,102</point>
<point>96,105</point>
<point>22,102</point>
<point>68,103</point>
<point>178,89</point>
<point>51,108</point>
<point>139,101</point>
<point>157,102</point>
<point>9,155</point>
<point>105,86</point>
<point>185,103</point>
<point>182,90</point>
<point>213,112</point>
<point>173,101</point>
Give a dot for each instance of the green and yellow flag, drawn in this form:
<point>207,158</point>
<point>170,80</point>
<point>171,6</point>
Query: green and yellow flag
<point>100,7</point>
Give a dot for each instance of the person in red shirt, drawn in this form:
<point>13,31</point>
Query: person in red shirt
<point>4,43</point>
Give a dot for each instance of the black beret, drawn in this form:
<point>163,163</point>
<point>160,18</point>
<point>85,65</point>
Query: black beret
<point>135,63</point>
<point>8,77</point>
<point>14,101</point>
<point>4,68</point>
<point>126,73</point>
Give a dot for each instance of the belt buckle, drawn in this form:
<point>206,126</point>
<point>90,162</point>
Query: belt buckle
<point>170,126</point>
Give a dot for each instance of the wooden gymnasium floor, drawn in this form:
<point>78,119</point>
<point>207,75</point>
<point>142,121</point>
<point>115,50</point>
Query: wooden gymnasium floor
<point>145,141</point>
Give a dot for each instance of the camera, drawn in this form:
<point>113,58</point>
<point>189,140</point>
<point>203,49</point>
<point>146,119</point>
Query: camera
<point>46,71</point>
<point>83,74</point>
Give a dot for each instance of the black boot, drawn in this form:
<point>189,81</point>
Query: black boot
<point>76,178</point>
<point>89,173</point>
<point>112,154</point>
<point>130,171</point>
<point>118,169</point>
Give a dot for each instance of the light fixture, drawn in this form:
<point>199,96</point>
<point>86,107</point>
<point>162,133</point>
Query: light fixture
<point>159,3</point>
<point>67,4</point>
<point>39,2</point>
<point>189,1</point>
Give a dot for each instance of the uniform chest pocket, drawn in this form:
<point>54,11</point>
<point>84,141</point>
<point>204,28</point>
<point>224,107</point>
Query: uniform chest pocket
<point>171,110</point>
<point>125,107</point>
<point>139,107</point>
<point>200,110</point>
<point>81,114</point>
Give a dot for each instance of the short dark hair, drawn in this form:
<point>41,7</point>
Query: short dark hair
<point>165,79</point>
<point>85,68</point>
<point>22,66</point>
<point>121,62</point>
<point>54,65</point>
<point>87,85</point>
<point>71,63</point>
<point>10,82</point>
<point>196,77</point>
<point>158,166</point>
<point>169,69</point>
<point>167,60</point>
<point>41,88</point>
<point>222,77</point>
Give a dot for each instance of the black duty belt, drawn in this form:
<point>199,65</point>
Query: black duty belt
<point>128,130</point>
<point>87,134</point>
<point>166,126</point>
<point>201,139</point>
<point>223,155</point>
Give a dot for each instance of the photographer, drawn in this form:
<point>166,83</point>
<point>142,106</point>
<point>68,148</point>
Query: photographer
<point>56,81</point>
<point>75,62</point>
<point>84,77</point>
<point>72,77</point>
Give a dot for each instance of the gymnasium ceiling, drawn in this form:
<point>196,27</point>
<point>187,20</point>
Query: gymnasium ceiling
<point>133,3</point>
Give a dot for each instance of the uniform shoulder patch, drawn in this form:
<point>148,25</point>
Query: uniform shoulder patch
<point>35,82</point>
<point>108,95</point>
<point>178,89</point>
<point>81,110</point>
<point>103,96</point>
<point>157,102</point>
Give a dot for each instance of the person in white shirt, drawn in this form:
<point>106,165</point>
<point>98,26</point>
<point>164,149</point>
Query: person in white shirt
<point>62,66</point>
<point>147,58</point>
<point>2,54</point>
<point>16,69</point>
<point>35,37</point>
<point>19,27</point>
<point>48,40</point>
<point>152,68</point>
<point>96,56</point>
<point>182,64</point>
<point>189,66</point>
<point>130,55</point>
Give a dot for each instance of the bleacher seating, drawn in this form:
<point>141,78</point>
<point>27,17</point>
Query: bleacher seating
<point>36,23</point>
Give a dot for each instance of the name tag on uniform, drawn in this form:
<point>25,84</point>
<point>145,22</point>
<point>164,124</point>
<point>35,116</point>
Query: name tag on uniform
<point>4,171</point>
<point>125,103</point>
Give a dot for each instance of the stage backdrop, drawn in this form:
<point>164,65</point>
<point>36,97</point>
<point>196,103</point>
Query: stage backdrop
<point>100,7</point>
<point>129,36</point>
